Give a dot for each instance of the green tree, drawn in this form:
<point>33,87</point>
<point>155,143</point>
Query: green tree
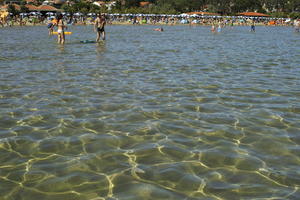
<point>11,9</point>
<point>132,3</point>
<point>225,7</point>
<point>24,9</point>
<point>293,6</point>
<point>95,9</point>
<point>118,5</point>
<point>246,5</point>
<point>68,8</point>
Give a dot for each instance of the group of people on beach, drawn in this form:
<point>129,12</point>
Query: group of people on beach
<point>99,27</point>
<point>218,29</point>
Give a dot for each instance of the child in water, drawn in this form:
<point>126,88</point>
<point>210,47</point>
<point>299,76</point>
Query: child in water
<point>50,26</point>
<point>219,28</point>
<point>213,28</point>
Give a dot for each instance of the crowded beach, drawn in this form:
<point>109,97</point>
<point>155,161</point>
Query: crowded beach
<point>13,14</point>
<point>42,18</point>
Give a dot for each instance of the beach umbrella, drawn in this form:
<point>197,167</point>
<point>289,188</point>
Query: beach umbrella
<point>183,15</point>
<point>78,14</point>
<point>254,14</point>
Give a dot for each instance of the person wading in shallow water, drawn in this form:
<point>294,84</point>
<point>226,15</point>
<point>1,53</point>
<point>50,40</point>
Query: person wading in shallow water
<point>252,26</point>
<point>297,25</point>
<point>60,29</point>
<point>100,23</point>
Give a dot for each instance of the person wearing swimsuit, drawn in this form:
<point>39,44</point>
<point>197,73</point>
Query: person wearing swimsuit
<point>60,29</point>
<point>50,26</point>
<point>100,23</point>
<point>252,29</point>
<point>297,25</point>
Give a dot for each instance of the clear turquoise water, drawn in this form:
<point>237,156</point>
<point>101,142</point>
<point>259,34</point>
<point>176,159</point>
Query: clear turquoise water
<point>182,114</point>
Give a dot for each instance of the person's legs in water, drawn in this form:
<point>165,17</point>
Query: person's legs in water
<point>103,35</point>
<point>98,35</point>
<point>60,37</point>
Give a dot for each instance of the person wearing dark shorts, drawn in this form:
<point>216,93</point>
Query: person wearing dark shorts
<point>252,26</point>
<point>99,25</point>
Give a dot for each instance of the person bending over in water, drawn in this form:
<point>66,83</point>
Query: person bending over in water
<point>50,27</point>
<point>100,23</point>
<point>60,29</point>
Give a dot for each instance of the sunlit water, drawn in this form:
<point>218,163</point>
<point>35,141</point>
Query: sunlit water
<point>180,114</point>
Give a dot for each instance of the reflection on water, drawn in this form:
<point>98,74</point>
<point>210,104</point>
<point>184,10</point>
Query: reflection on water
<point>180,114</point>
<point>100,48</point>
<point>61,49</point>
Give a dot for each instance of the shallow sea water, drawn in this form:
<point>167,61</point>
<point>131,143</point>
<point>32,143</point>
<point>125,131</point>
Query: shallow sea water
<point>180,114</point>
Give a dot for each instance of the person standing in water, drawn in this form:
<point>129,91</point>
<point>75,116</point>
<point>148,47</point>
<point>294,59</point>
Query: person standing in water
<point>50,26</point>
<point>213,28</point>
<point>60,29</point>
<point>297,25</point>
<point>100,23</point>
<point>252,26</point>
<point>219,29</point>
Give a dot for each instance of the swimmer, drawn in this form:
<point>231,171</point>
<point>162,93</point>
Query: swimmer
<point>159,29</point>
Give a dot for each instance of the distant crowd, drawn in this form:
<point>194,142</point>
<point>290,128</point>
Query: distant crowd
<point>138,19</point>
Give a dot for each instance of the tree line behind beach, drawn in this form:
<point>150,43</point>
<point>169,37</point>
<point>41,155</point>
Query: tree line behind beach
<point>221,6</point>
<point>277,8</point>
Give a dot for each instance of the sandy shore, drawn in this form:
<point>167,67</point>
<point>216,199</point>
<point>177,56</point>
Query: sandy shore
<point>148,24</point>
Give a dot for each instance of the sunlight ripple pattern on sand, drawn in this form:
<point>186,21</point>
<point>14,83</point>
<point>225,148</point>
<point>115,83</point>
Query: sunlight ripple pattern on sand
<point>182,114</point>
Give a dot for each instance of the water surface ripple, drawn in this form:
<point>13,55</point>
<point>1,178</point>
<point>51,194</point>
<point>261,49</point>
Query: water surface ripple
<point>180,114</point>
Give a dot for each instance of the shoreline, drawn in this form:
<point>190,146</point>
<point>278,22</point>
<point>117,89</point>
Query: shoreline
<point>156,24</point>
